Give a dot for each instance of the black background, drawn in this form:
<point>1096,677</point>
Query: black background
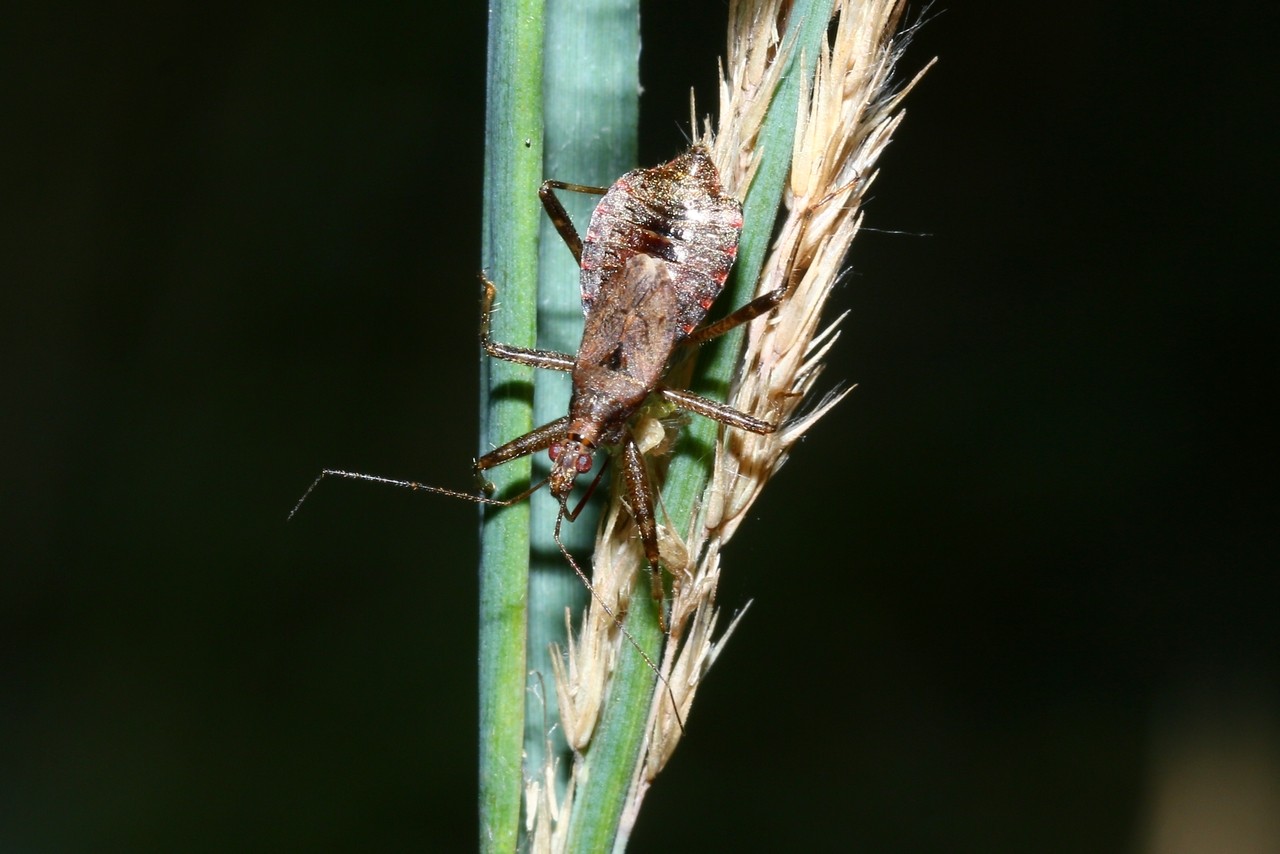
<point>240,243</point>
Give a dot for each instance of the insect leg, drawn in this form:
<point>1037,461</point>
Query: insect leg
<point>572,515</point>
<point>536,439</point>
<point>716,411</point>
<point>549,359</point>
<point>758,306</point>
<point>560,217</point>
<point>640,496</point>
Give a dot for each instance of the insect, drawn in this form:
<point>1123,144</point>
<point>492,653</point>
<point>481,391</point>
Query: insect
<point>655,256</point>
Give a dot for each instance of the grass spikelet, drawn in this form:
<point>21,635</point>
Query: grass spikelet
<point>846,114</point>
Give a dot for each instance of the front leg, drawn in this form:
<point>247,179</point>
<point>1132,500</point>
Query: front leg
<point>537,439</point>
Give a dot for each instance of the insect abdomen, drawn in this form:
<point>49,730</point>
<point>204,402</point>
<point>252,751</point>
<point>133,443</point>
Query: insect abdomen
<point>677,212</point>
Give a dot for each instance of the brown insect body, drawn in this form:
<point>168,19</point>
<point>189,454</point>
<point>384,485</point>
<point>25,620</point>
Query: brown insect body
<point>657,252</point>
<point>656,255</point>
<point>627,339</point>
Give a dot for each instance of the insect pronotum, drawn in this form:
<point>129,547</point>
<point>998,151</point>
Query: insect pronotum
<point>655,256</point>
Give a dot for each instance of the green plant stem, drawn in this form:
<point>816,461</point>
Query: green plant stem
<point>513,165</point>
<point>609,765</point>
<point>513,171</point>
<point>622,725</point>
<point>620,735</point>
<point>591,103</point>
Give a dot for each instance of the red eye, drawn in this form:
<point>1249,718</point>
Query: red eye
<point>554,450</point>
<point>584,463</point>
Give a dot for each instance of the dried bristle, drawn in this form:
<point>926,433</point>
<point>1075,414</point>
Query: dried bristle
<point>846,118</point>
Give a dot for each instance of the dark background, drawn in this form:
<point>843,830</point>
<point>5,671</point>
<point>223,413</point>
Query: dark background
<point>1000,595</point>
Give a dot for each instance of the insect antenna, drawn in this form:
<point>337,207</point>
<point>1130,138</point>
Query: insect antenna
<point>671,694</point>
<point>417,487</point>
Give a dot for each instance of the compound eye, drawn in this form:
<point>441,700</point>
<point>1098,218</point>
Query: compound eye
<point>584,463</point>
<point>555,450</point>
